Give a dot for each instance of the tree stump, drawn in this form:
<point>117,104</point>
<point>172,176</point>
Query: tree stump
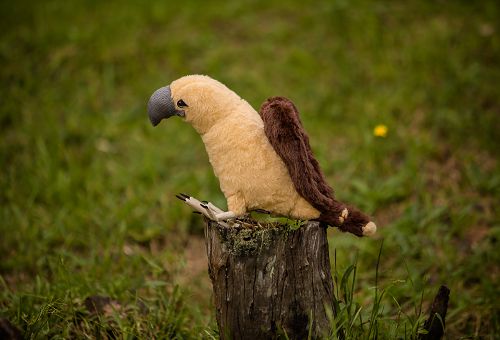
<point>270,281</point>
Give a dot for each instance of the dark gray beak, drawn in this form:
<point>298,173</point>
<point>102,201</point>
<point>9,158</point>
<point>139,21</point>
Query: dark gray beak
<point>161,106</point>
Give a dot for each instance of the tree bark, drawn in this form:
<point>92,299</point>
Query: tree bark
<point>435,324</point>
<point>270,281</point>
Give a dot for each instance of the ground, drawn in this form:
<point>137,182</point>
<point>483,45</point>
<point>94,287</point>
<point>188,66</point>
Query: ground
<point>88,187</point>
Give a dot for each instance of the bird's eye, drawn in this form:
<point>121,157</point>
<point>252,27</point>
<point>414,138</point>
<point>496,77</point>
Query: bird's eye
<point>180,103</point>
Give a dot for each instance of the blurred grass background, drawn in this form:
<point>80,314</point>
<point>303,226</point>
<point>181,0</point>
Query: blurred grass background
<point>87,187</point>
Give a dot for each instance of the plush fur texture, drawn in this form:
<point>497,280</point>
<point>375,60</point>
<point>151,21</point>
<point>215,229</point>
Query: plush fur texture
<point>286,134</point>
<point>281,177</point>
<point>251,174</point>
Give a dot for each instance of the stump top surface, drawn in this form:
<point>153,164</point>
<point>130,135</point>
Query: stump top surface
<point>251,237</point>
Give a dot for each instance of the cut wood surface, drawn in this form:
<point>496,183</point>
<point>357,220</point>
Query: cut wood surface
<point>270,281</point>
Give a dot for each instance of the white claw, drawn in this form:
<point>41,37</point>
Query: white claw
<point>225,216</point>
<point>214,208</point>
<point>210,210</point>
<point>196,205</point>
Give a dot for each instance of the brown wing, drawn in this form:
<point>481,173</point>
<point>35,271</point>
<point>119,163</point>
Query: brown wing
<point>284,130</point>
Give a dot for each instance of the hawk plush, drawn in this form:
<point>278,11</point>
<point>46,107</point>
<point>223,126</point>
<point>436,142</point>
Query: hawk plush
<point>263,160</point>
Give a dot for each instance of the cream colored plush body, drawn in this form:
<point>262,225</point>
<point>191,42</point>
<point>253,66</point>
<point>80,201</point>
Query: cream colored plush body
<point>251,174</point>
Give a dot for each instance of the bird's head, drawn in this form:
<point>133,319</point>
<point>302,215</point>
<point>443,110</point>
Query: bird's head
<point>200,100</point>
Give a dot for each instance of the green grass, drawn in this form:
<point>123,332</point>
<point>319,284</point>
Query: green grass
<point>87,187</point>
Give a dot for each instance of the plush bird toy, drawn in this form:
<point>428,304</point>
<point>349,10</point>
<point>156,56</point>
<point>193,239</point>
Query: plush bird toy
<point>263,160</point>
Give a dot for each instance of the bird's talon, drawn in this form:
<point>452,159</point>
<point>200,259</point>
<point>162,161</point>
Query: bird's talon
<point>227,215</point>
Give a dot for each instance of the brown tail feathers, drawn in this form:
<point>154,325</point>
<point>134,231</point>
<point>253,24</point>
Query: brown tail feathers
<point>286,134</point>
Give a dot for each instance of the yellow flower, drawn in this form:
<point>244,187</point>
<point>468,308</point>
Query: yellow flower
<point>380,130</point>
